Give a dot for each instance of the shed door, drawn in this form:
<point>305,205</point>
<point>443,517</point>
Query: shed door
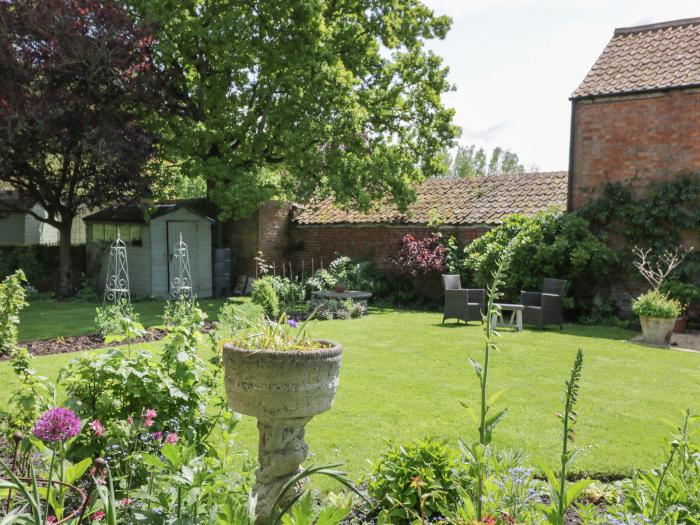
<point>188,229</point>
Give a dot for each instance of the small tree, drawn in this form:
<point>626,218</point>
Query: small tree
<point>74,78</point>
<point>656,272</point>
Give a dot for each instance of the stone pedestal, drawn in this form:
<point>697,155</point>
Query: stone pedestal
<point>281,451</point>
<point>284,390</point>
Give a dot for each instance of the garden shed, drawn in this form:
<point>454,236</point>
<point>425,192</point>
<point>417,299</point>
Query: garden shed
<point>150,235</point>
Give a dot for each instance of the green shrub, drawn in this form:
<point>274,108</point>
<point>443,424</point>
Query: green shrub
<point>263,294</point>
<point>183,312</point>
<point>550,244</point>
<point>235,317</point>
<point>684,293</point>
<point>12,300</point>
<point>424,465</point>
<point>656,304</point>
<point>115,318</point>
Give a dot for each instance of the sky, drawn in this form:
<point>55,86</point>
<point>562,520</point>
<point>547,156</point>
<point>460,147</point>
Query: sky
<point>514,64</point>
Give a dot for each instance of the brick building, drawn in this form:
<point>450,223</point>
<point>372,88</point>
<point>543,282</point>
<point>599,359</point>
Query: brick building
<point>316,233</point>
<point>636,116</point>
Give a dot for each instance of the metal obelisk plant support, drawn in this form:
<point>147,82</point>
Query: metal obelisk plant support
<point>117,285</point>
<point>181,285</point>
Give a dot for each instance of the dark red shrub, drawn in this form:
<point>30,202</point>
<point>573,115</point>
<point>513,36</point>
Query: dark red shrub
<point>419,257</point>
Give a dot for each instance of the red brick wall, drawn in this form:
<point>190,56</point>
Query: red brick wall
<point>634,139</point>
<point>325,243</point>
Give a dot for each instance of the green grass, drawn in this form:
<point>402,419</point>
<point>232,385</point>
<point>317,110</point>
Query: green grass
<point>404,375</point>
<point>46,319</point>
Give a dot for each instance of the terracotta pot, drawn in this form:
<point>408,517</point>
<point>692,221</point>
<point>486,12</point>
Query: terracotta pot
<point>656,330</point>
<point>681,324</point>
<point>284,390</point>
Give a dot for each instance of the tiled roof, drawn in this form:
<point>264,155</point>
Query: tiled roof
<point>477,200</point>
<point>646,58</point>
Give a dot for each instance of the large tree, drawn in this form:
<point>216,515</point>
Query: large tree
<point>302,98</point>
<point>75,77</point>
<point>470,161</point>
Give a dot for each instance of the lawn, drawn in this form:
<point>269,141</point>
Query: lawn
<point>404,375</point>
<point>46,319</point>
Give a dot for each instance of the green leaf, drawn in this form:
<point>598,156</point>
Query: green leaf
<point>573,491</point>
<point>76,471</point>
<point>154,461</point>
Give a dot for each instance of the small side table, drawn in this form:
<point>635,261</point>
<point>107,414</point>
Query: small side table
<point>515,320</point>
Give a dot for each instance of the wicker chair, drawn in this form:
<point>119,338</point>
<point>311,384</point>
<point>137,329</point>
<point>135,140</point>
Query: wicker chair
<point>466,304</point>
<point>544,308</point>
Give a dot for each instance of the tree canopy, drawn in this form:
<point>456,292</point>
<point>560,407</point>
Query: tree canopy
<point>75,80</point>
<point>301,98</point>
<point>470,161</point>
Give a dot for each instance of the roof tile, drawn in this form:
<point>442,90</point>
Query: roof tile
<point>469,201</point>
<point>646,58</point>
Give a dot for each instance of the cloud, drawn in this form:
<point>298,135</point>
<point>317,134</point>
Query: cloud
<point>487,134</point>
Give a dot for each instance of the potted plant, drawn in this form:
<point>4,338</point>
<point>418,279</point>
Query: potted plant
<point>686,294</point>
<point>275,372</point>
<point>657,313</point>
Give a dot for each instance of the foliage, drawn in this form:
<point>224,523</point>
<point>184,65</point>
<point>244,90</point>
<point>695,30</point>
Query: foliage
<point>283,335</point>
<point>307,101</point>
<point>116,319</point>
<point>114,386</point>
<point>337,309</point>
<point>353,275</point>
<point>417,480</point>
<point>12,301</point>
<point>420,257</point>
<point>656,304</point>
<point>263,294</point>
<point>234,317</point>
<point>671,493</point>
<point>183,312</point>
<point>468,161</point>
<point>549,244</point>
<point>76,80</point>
<point>654,220</point>
<point>562,496</point>
<point>291,293</point>
<point>684,293</point>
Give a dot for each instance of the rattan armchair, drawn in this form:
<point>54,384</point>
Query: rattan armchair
<point>466,304</point>
<point>545,307</point>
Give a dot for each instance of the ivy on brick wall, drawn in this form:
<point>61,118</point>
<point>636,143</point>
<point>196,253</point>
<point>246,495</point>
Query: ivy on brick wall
<point>655,220</point>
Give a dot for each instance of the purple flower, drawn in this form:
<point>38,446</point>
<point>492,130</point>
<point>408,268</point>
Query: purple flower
<point>293,323</point>
<point>57,424</point>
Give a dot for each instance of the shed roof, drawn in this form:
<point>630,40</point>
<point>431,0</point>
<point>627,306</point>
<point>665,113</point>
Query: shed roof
<point>646,58</point>
<point>458,201</point>
<point>140,214</point>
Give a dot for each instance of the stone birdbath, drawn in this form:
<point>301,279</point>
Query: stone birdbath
<point>283,390</point>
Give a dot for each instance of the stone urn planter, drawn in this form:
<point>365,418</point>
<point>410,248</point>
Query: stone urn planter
<point>657,330</point>
<point>283,390</point>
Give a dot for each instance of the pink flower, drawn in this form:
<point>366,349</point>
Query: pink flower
<point>97,428</point>
<point>130,420</point>
<point>51,520</point>
<point>171,438</point>
<point>97,516</point>
<point>57,424</point>
<point>148,423</point>
<point>150,414</point>
<point>125,502</point>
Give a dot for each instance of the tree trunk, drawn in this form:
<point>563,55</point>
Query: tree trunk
<point>65,270</point>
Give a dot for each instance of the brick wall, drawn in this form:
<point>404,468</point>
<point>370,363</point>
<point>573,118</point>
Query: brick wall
<point>377,242</point>
<point>634,139</point>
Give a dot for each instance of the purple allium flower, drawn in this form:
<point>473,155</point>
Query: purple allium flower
<point>293,323</point>
<point>157,436</point>
<point>57,424</point>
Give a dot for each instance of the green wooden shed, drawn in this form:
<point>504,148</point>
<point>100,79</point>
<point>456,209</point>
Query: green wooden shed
<point>150,235</point>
